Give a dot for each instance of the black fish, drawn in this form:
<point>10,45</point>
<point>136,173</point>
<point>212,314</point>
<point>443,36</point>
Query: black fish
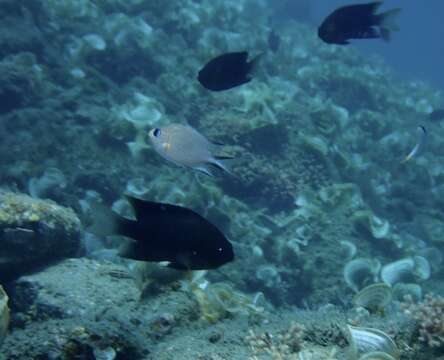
<point>164,232</point>
<point>437,115</point>
<point>227,71</point>
<point>357,22</point>
<point>274,41</point>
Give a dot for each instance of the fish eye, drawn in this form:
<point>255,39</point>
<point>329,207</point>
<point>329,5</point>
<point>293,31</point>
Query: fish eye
<point>156,132</point>
<point>220,249</point>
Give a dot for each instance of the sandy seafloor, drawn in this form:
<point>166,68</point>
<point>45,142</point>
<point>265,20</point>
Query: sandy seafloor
<point>91,310</point>
<point>338,241</point>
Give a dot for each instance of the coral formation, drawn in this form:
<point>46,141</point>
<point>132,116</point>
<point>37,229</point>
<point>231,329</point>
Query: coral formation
<point>219,300</point>
<point>318,201</point>
<point>278,346</point>
<point>428,315</point>
<point>34,232</point>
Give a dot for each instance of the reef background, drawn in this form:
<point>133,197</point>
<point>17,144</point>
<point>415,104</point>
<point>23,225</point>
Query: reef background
<point>321,205</point>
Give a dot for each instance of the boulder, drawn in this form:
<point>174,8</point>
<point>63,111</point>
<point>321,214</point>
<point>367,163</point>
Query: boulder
<point>33,233</point>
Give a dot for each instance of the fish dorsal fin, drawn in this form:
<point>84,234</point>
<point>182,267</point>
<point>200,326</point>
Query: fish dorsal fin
<point>142,208</point>
<point>244,55</point>
<point>369,8</point>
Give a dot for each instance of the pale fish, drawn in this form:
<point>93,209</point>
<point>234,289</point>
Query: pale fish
<point>422,136</point>
<point>184,146</point>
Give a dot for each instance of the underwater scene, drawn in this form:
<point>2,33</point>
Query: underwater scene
<point>218,180</point>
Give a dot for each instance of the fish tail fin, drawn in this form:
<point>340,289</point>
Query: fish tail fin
<point>253,64</point>
<point>407,157</point>
<point>387,23</point>
<point>220,163</point>
<point>106,222</point>
<point>204,170</point>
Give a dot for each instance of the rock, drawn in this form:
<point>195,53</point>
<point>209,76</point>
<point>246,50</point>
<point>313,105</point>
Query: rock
<point>34,233</point>
<point>77,308</point>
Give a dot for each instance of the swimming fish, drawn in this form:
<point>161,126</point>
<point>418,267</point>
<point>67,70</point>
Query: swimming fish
<point>274,41</point>
<point>358,22</point>
<point>227,71</point>
<point>422,136</point>
<point>164,232</point>
<point>183,145</point>
<point>436,115</point>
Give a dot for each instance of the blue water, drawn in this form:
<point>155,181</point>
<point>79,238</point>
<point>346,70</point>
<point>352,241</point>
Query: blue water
<point>417,51</point>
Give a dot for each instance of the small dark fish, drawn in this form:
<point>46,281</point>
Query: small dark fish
<point>437,115</point>
<point>358,22</point>
<point>274,41</point>
<point>227,71</point>
<point>164,232</point>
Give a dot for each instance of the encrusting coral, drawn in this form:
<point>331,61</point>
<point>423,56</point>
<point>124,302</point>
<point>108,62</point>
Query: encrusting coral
<point>429,316</point>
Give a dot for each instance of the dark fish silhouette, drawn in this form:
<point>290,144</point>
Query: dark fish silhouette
<point>274,41</point>
<point>227,71</point>
<point>437,115</point>
<point>164,232</point>
<point>357,22</point>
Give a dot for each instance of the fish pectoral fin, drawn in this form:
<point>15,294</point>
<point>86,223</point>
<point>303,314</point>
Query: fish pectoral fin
<point>142,207</point>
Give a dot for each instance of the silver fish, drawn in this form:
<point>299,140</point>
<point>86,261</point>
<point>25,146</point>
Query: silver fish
<point>184,146</point>
<point>422,136</point>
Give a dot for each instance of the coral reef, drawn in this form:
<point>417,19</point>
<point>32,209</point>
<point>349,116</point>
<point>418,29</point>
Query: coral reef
<point>34,232</point>
<point>319,207</point>
<point>278,346</point>
<point>428,315</point>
